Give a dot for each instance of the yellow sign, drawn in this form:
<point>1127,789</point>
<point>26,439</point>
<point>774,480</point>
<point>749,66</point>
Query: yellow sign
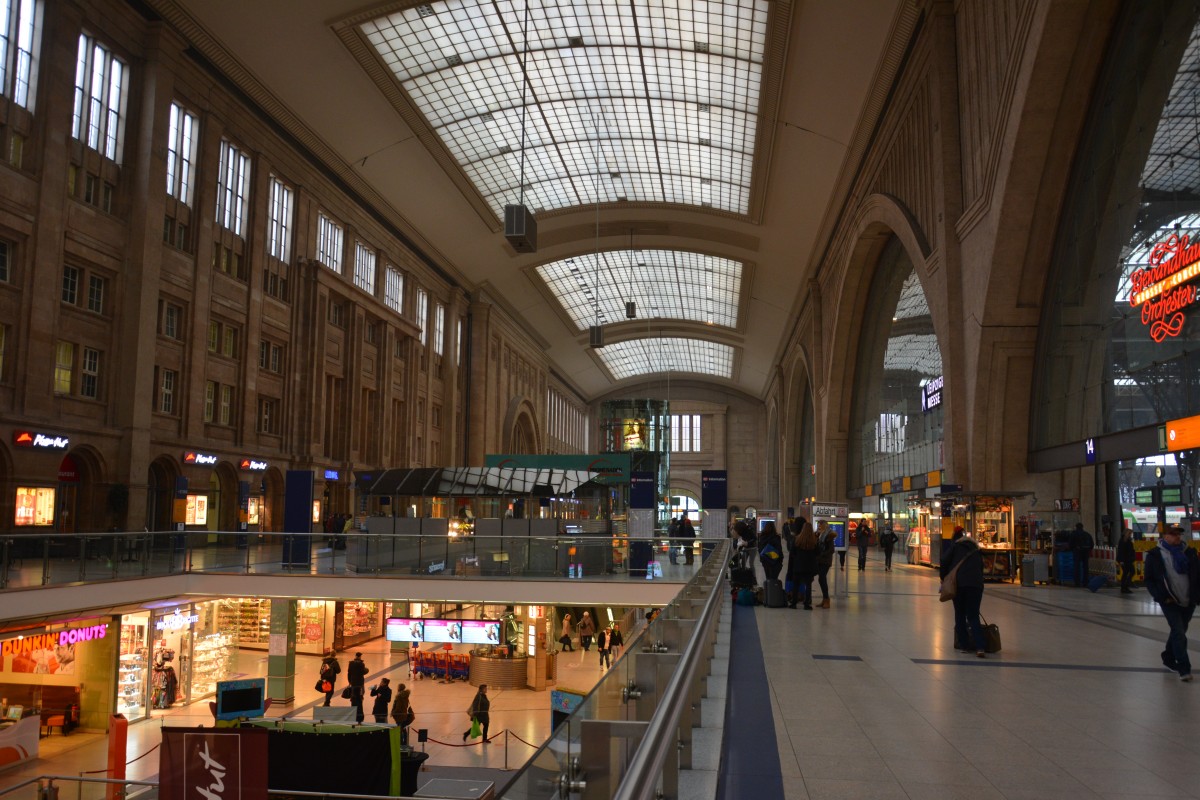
<point>934,478</point>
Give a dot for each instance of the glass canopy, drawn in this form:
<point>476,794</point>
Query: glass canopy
<point>634,357</point>
<point>623,101</point>
<point>665,284</point>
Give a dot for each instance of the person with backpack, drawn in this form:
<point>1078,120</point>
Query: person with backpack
<point>330,669</point>
<point>887,540</point>
<point>825,550</point>
<point>1173,580</point>
<point>770,551</point>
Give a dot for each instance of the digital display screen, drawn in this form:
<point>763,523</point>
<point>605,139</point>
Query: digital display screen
<point>480,631</point>
<point>839,533</point>
<point>245,698</point>
<point>405,630</point>
<point>443,630</point>
<point>35,506</point>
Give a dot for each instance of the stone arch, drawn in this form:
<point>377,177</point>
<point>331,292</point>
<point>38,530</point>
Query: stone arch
<point>521,429</point>
<point>271,513</point>
<point>878,219</point>
<point>160,492</point>
<point>797,399</point>
<point>224,479</point>
<point>83,504</point>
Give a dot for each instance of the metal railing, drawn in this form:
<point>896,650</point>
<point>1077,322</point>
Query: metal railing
<point>33,560</point>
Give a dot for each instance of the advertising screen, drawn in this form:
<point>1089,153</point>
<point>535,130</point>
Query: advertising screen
<point>245,698</point>
<point>405,630</point>
<point>443,630</point>
<point>35,506</point>
<point>480,631</point>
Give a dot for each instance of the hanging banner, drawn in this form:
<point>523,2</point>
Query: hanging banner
<point>213,764</point>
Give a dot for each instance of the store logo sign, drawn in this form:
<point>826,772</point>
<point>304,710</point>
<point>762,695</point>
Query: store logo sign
<point>176,620</point>
<point>200,459</point>
<point>40,441</point>
<point>250,465</point>
<point>331,474</point>
<point>47,641</point>
<point>1162,290</point>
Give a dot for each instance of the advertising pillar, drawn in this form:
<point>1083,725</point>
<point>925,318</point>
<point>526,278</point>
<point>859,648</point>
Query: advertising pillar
<point>297,518</point>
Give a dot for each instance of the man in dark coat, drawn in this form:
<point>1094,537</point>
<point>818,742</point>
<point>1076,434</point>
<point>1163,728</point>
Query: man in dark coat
<point>1081,543</point>
<point>356,676</point>
<point>1173,580</point>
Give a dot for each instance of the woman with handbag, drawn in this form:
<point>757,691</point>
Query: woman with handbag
<point>402,712</point>
<point>330,668</point>
<point>478,712</point>
<point>567,630</point>
<point>962,566</point>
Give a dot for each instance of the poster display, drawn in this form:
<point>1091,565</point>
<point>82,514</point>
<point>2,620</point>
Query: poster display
<point>405,630</point>
<point>34,506</point>
<point>196,510</point>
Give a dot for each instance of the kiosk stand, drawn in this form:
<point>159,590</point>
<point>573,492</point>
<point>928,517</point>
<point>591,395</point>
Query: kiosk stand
<point>837,515</point>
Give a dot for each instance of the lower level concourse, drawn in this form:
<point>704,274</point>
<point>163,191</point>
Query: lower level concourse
<point>866,699</point>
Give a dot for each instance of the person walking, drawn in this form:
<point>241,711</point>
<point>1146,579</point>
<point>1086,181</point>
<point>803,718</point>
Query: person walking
<point>479,711</point>
<point>887,540</point>
<point>587,629</point>
<point>803,566</point>
<point>864,541</point>
<point>356,676</point>
<point>604,646</point>
<point>330,669</point>
<point>826,542</point>
<point>615,640</point>
<point>402,712</point>
<point>567,630</point>
<point>1125,557</point>
<point>382,692</point>
<point>964,554</point>
<point>1081,547</point>
<point>1172,573</point>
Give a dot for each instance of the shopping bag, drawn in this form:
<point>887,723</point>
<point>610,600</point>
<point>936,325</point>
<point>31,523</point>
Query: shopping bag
<point>476,728</point>
<point>949,586</point>
<point>325,686</point>
<point>991,636</point>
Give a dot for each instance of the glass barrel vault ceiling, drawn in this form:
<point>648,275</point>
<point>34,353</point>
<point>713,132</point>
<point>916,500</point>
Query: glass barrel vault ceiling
<point>670,284</point>
<point>637,101</point>
<point>634,357</point>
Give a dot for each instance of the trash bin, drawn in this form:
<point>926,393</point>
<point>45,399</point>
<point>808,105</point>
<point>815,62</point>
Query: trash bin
<point>410,769</point>
<point>1027,569</point>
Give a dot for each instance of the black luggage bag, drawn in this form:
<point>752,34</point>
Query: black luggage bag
<point>773,594</point>
<point>741,573</point>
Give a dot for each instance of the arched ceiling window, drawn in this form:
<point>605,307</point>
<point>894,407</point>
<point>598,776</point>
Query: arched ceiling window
<point>626,101</point>
<point>665,284</point>
<point>635,357</point>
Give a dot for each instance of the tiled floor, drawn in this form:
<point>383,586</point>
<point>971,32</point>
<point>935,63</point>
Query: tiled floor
<point>870,700</point>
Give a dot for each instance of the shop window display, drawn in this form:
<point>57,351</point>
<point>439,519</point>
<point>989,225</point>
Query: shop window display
<point>131,674</point>
<point>213,662</point>
<point>361,621</point>
<point>246,619</point>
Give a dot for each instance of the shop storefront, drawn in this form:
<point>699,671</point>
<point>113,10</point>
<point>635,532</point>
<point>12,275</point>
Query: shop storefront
<point>65,672</point>
<point>989,518</point>
<point>133,659</point>
<point>359,620</point>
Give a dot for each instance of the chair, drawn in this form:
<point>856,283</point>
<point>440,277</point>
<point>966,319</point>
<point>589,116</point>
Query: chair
<point>55,721</point>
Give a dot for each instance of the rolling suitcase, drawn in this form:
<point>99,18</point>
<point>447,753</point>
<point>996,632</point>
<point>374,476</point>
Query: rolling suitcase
<point>773,594</point>
<point>740,574</point>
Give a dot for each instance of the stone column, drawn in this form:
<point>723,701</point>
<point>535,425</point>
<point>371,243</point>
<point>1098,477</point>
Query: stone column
<point>281,658</point>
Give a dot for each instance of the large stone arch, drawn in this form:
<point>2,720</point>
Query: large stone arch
<point>797,390</point>
<point>161,475</point>
<point>90,504</point>
<point>521,428</point>
<point>877,220</point>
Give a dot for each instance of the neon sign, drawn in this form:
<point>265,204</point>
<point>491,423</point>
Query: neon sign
<point>1162,289</point>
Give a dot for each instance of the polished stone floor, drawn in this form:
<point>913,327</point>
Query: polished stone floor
<point>869,699</point>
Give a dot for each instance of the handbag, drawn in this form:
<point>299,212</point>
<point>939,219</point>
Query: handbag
<point>476,729</point>
<point>326,686</point>
<point>346,693</point>
<point>991,636</point>
<point>950,583</point>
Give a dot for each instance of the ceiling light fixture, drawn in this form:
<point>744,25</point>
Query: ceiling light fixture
<point>520,226</point>
<point>596,332</point>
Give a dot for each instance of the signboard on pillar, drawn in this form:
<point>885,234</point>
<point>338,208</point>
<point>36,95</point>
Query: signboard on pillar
<point>179,511</point>
<point>297,518</point>
<point>243,507</point>
<point>642,492</point>
<point>714,489</point>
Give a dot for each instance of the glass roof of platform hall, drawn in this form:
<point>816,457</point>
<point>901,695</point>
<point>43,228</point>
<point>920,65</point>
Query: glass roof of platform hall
<point>638,101</point>
<point>665,284</point>
<point>634,357</point>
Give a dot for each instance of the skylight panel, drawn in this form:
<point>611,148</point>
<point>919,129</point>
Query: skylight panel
<point>665,284</point>
<point>635,357</point>
<point>665,90</point>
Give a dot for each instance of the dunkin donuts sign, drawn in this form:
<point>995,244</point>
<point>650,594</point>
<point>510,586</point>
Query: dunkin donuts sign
<point>48,641</point>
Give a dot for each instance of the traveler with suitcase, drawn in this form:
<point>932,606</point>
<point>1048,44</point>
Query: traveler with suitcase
<point>770,554</point>
<point>964,558</point>
<point>802,564</point>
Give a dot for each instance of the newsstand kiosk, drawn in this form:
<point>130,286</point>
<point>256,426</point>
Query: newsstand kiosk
<point>837,515</point>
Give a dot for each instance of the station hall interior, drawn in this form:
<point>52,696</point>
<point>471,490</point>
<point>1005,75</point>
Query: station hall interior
<point>470,277</point>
